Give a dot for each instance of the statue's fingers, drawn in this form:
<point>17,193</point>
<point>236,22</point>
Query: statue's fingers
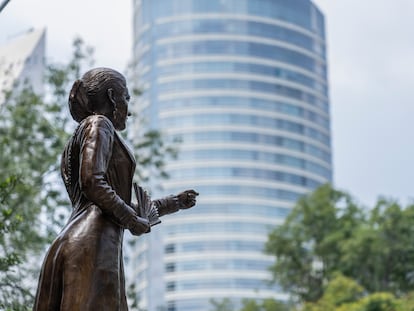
<point>192,192</point>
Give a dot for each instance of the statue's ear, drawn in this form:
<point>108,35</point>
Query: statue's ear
<point>111,96</point>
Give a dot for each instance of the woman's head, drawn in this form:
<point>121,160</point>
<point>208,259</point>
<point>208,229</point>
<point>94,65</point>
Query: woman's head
<point>100,91</point>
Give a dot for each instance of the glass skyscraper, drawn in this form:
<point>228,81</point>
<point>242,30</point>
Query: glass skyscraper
<point>243,85</point>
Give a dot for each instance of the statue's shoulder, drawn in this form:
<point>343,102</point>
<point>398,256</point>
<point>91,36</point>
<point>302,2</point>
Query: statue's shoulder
<point>98,121</point>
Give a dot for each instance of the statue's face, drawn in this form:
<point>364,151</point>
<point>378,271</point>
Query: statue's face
<point>121,113</point>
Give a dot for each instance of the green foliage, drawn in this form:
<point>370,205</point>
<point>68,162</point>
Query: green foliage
<point>342,290</point>
<point>222,305</point>
<point>264,305</point>
<point>379,302</point>
<point>344,294</point>
<point>9,221</point>
<point>407,302</point>
<point>250,305</point>
<point>151,153</point>
<point>307,246</point>
<point>381,252</point>
<point>29,145</point>
<point>338,292</point>
<point>327,233</point>
<point>12,295</point>
<point>133,299</point>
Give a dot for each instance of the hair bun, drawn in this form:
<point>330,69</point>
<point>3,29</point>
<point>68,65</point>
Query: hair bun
<point>78,101</point>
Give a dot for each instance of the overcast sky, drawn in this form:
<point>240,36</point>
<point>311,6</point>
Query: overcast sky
<point>371,74</point>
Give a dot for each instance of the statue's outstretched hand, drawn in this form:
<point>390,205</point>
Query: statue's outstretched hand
<point>186,199</point>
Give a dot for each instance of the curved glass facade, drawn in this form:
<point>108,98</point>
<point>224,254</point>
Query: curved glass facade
<point>243,85</point>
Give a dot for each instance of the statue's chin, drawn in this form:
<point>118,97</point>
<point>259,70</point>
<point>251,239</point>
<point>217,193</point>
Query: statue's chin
<point>120,126</point>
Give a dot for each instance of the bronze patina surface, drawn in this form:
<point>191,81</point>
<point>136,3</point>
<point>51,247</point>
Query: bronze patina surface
<point>83,269</point>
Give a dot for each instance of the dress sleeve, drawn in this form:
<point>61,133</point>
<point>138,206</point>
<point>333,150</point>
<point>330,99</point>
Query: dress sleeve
<point>167,205</point>
<point>95,153</point>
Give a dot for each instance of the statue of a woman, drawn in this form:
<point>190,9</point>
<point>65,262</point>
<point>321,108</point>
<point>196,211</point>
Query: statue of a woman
<point>83,269</point>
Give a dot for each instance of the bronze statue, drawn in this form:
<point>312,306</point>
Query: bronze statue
<point>83,269</point>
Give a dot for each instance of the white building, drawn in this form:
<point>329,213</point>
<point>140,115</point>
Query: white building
<point>22,59</point>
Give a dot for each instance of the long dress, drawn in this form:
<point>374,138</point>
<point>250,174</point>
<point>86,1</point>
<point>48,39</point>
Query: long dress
<point>83,269</point>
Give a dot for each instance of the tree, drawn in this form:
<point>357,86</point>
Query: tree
<point>250,305</point>
<point>327,233</point>
<point>381,254</point>
<point>338,292</point>
<point>264,305</point>
<point>10,257</point>
<point>28,144</point>
<point>307,244</point>
<point>222,305</point>
<point>344,294</point>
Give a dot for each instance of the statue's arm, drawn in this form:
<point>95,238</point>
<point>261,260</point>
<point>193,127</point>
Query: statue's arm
<point>95,153</point>
<point>174,203</point>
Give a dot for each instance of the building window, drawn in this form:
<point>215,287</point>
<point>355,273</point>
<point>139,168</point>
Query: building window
<point>170,248</point>
<point>170,286</point>
<point>171,306</point>
<point>170,267</point>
